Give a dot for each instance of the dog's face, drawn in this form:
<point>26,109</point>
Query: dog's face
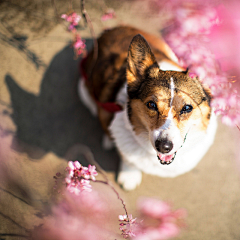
<point>164,105</point>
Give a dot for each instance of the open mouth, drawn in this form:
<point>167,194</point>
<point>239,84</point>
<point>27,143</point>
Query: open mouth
<point>166,159</point>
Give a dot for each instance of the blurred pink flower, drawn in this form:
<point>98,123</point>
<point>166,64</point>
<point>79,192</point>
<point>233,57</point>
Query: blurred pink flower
<point>159,220</point>
<point>76,217</point>
<point>73,19</point>
<point>163,232</point>
<point>225,37</point>
<point>205,38</point>
<point>154,208</point>
<point>109,14</point>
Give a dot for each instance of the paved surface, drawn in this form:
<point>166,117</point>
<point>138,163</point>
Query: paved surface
<point>42,122</point>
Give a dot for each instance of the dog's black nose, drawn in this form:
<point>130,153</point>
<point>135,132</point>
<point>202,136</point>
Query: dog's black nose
<point>163,145</point>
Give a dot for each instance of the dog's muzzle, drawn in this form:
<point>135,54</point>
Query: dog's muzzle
<point>163,147</point>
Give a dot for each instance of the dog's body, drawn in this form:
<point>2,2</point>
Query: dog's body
<point>166,125</point>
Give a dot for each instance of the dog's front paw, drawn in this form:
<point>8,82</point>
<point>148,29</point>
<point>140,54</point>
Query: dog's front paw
<point>129,179</point>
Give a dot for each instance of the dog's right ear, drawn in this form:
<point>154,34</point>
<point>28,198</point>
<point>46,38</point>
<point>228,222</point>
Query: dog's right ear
<point>140,58</point>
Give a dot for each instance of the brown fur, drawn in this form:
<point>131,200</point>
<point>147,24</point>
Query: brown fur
<point>122,59</point>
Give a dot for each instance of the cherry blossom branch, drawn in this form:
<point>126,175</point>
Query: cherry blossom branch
<point>90,26</point>
<point>168,222</point>
<point>83,10</point>
<point>73,18</point>
<point>118,196</point>
<point>87,153</point>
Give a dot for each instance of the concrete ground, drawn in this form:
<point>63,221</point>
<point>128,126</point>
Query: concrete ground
<point>42,123</point>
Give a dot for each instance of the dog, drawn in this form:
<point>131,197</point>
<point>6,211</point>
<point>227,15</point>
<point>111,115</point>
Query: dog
<point>159,118</point>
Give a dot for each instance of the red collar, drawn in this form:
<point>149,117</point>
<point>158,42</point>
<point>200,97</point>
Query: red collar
<point>111,107</point>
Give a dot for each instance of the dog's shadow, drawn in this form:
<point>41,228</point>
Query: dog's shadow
<point>56,120</point>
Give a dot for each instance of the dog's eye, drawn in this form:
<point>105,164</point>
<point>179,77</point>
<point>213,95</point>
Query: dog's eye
<point>152,105</point>
<point>186,109</point>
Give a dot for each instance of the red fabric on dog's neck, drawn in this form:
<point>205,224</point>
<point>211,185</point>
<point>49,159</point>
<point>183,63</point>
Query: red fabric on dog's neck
<point>111,107</point>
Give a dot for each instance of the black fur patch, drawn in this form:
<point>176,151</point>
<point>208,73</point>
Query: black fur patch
<point>208,97</point>
<point>129,110</point>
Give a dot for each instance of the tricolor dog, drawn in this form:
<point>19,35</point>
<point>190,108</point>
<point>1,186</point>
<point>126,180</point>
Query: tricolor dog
<point>165,124</point>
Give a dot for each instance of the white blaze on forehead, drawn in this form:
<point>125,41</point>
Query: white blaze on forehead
<point>169,121</point>
<point>172,92</point>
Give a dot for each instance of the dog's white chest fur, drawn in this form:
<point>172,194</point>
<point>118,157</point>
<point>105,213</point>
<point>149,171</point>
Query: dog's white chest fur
<point>137,150</point>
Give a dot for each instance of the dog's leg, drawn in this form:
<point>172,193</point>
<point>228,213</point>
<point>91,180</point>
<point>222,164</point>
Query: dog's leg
<point>129,177</point>
<point>105,119</point>
<point>86,98</point>
<point>107,142</point>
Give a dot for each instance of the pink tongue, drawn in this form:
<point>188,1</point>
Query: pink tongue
<point>165,158</point>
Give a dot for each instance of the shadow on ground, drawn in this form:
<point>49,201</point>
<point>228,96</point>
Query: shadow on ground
<point>56,120</point>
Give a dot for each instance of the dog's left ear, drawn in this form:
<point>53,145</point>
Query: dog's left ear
<point>140,58</point>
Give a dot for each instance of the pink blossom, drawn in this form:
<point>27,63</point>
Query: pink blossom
<point>128,226</point>
<point>74,188</point>
<point>92,172</point>
<point>85,185</point>
<point>109,14</point>
<point>73,19</point>
<point>78,177</point>
<point>159,220</point>
<point>78,45</point>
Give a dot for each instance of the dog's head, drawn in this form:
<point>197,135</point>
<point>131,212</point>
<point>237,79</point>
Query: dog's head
<point>164,105</point>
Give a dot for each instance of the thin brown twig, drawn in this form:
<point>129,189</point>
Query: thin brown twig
<point>118,196</point>
<point>55,9</point>
<point>70,6</point>
<point>82,5</point>
<point>90,158</point>
<point>90,26</point>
